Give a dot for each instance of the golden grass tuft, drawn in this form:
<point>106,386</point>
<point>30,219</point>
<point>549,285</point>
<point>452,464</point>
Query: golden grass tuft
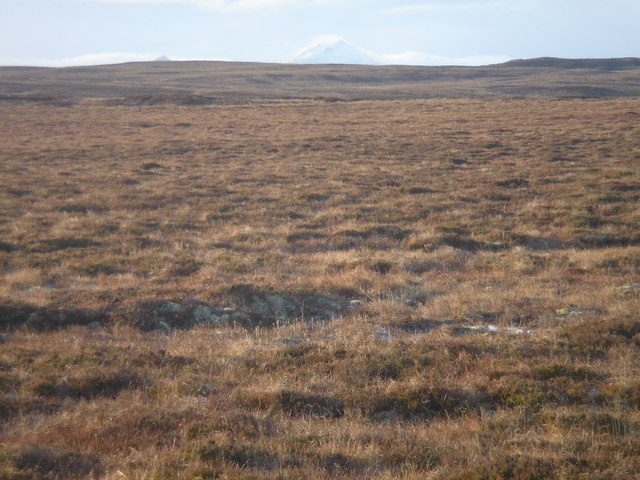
<point>441,288</point>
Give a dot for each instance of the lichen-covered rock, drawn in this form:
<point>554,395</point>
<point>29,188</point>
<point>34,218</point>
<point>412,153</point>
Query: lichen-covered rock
<point>165,315</point>
<point>274,308</point>
<point>253,308</point>
<point>573,310</point>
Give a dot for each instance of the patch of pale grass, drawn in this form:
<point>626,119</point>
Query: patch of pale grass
<point>23,278</point>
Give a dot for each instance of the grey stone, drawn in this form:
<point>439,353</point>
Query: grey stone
<point>571,311</point>
<point>382,332</point>
<point>275,308</point>
<point>163,327</point>
<point>484,317</point>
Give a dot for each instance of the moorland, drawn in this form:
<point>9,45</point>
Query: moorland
<point>332,280</point>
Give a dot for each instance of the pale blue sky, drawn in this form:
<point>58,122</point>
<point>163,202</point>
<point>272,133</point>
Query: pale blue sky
<point>71,32</point>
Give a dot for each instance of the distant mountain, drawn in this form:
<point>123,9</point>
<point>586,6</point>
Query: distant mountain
<point>163,58</point>
<point>339,52</point>
<point>242,81</point>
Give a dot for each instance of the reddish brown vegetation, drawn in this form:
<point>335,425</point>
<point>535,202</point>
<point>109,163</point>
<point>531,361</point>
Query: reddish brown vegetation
<point>442,287</point>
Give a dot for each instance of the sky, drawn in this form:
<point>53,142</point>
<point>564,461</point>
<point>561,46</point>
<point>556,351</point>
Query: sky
<point>432,32</point>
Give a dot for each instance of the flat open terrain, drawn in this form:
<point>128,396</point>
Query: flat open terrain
<point>288,288</point>
<point>230,82</point>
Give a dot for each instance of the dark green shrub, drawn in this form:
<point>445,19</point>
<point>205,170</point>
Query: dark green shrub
<point>96,269</point>
<point>419,190</point>
<point>513,183</point>
<point>337,463</point>
<point>584,221</point>
<point>7,247</point>
<point>427,402</point>
<point>151,165</point>
<point>302,236</point>
<point>56,244</point>
<point>512,468</point>
<point>554,371</point>
<point>529,395</point>
<point>104,384</point>
<point>296,351</point>
<point>184,268</point>
<point>50,463</point>
<point>381,267</point>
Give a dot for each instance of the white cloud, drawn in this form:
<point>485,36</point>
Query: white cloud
<point>88,59</point>
<point>461,6</point>
<point>94,59</point>
<point>235,6</point>
<point>418,58</point>
<point>386,6</point>
<point>228,5</point>
<point>404,58</point>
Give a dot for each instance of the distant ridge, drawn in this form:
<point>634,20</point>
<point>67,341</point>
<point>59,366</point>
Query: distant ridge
<point>600,63</point>
<point>244,82</point>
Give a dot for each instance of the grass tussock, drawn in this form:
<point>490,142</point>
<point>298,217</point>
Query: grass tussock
<point>310,289</point>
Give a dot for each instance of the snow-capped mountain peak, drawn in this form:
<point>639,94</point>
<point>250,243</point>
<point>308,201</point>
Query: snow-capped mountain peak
<point>336,52</point>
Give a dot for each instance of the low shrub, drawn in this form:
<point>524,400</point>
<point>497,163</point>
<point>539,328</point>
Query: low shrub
<point>512,468</point>
<point>47,462</point>
<point>584,221</point>
<point>103,384</point>
<point>214,454</point>
<point>427,402</point>
<point>513,183</point>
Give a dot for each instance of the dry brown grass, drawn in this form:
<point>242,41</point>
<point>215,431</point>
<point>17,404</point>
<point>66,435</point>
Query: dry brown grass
<point>354,246</point>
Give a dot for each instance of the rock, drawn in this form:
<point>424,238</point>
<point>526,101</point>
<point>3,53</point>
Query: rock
<point>573,310</point>
<point>290,341</point>
<point>425,325</point>
<point>205,390</point>
<point>382,332</point>
<point>484,317</point>
<point>414,297</point>
<point>254,308</point>
<point>163,327</point>
<point>206,314</point>
<point>491,329</point>
<point>267,308</point>
<point>149,315</point>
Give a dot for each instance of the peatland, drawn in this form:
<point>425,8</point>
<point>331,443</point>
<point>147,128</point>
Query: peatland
<point>315,288</point>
